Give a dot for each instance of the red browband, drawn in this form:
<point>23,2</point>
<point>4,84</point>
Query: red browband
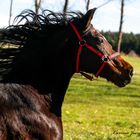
<point>82,43</point>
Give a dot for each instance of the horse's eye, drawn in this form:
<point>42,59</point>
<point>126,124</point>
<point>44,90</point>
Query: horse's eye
<point>99,40</point>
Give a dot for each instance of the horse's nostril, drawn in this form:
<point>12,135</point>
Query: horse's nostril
<point>130,72</point>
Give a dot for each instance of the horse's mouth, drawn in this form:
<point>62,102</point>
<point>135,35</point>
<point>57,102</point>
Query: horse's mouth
<point>119,81</point>
<point>122,83</point>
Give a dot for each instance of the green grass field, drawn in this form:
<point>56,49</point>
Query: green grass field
<point>99,110</point>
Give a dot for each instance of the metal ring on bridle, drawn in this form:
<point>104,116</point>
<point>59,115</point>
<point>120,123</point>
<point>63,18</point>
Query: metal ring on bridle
<point>82,42</point>
<point>105,58</point>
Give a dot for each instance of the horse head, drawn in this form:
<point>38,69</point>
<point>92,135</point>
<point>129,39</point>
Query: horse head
<point>95,54</point>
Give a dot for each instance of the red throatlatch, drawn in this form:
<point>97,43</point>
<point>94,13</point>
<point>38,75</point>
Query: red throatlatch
<point>103,57</point>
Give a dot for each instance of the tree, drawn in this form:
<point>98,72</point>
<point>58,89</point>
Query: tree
<point>65,6</point>
<point>87,4</point>
<point>37,6</point>
<point>10,12</point>
<point>120,27</point>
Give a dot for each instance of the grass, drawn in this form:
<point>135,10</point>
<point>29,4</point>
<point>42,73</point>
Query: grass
<point>99,110</point>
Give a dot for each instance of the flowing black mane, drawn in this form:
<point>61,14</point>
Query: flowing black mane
<point>28,30</point>
<point>30,25</point>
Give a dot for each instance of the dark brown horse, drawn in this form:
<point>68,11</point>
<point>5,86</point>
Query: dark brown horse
<point>35,71</point>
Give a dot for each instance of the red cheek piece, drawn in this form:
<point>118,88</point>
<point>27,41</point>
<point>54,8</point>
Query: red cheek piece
<point>105,60</point>
<point>82,43</point>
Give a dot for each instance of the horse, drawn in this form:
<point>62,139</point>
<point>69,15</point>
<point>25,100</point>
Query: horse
<point>38,56</point>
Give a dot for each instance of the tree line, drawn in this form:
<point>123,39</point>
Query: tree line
<point>130,41</point>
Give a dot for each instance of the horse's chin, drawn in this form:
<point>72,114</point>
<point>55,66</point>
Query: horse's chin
<point>119,80</point>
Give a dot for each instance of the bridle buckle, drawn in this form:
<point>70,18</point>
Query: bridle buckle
<point>82,42</point>
<point>105,58</point>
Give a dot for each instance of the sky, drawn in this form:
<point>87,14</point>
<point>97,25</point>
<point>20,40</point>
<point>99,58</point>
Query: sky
<point>106,18</point>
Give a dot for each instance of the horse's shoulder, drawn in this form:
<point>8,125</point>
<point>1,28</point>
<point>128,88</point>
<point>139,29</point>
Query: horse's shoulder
<point>23,110</point>
<point>16,96</point>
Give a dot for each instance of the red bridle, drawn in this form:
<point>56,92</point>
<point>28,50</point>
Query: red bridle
<point>83,43</point>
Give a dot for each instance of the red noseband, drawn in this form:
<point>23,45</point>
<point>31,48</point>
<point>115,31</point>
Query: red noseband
<point>82,43</point>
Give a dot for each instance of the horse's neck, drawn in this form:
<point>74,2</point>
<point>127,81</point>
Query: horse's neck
<point>52,80</point>
<point>57,98</point>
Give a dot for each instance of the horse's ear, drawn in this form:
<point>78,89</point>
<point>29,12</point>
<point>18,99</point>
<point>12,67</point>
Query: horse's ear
<point>88,17</point>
